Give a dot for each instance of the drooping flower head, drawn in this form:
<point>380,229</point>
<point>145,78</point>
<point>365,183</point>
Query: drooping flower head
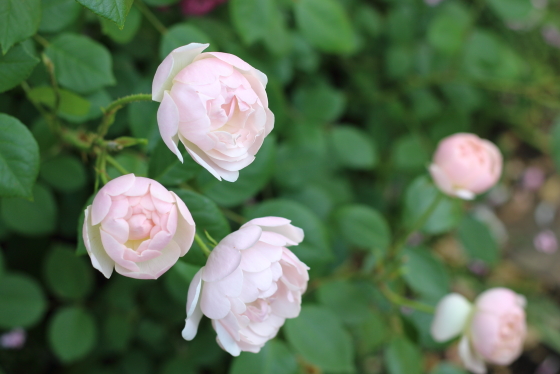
<point>137,227</point>
<point>493,329</point>
<point>251,283</point>
<point>216,105</point>
<point>465,165</point>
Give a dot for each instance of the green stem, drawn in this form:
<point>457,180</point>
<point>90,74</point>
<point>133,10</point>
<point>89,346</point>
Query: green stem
<point>234,216</point>
<point>403,301</point>
<point>202,245</point>
<point>111,110</point>
<point>150,17</point>
<point>39,39</point>
<point>116,165</point>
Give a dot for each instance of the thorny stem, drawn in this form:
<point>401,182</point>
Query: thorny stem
<point>403,301</point>
<point>202,245</point>
<point>151,17</point>
<point>110,111</point>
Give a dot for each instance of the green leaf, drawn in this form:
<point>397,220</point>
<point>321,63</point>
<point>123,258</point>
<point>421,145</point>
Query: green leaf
<point>80,63</point>
<point>15,66</point>
<point>555,143</point>
<point>251,18</point>
<point>22,303</point>
<point>68,276</point>
<point>277,38</point>
<point>409,153</point>
<point>118,329</point>
<point>478,241</point>
<point>33,218</point>
<point>353,148</point>
<point>132,162</point>
<point>64,173</point>
<point>448,368</point>
<point>71,106</point>
<point>425,274</point>
<point>363,226</point>
<point>178,278</point>
<point>273,358</point>
<point>19,158</point>
<point>318,335</point>
<point>418,198</point>
<point>179,35</point>
<point>124,34</point>
<point>512,10</point>
<point>114,10</point>
<point>2,264</point>
<point>325,25</point>
<point>72,333</point>
<point>142,118</point>
<point>345,299</point>
<point>448,28</point>
<point>166,168</point>
<point>403,357</point>
<point>19,19</point>
<point>372,334</point>
<point>59,14</point>
<point>251,179</point>
<point>208,217</point>
<point>320,102</point>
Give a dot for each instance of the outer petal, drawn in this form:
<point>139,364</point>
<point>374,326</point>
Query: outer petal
<point>92,239</point>
<point>168,123</point>
<point>282,226</point>
<point>194,292</point>
<point>186,229</point>
<point>191,323</point>
<point>171,65</point>
<point>206,162</point>
<point>470,358</point>
<point>441,180</point>
<point>451,317</point>
<point>154,268</point>
<point>225,340</point>
<point>213,303</point>
<point>102,201</point>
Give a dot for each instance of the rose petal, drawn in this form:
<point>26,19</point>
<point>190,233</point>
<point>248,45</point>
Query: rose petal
<point>451,316</point>
<point>92,240</point>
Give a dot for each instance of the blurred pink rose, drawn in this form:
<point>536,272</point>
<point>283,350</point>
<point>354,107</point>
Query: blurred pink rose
<point>216,105</point>
<point>249,286</point>
<point>546,242</point>
<point>465,165</point>
<point>138,227</point>
<point>14,339</point>
<point>199,7</point>
<point>493,329</point>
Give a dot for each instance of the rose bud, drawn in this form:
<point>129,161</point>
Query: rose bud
<point>216,105</point>
<point>138,227</point>
<point>465,165</point>
<point>493,329</point>
<point>251,283</point>
<point>199,7</point>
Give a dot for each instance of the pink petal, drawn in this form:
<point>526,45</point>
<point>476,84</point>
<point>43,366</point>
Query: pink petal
<point>470,358</point>
<point>115,250</point>
<point>223,261</point>
<point>451,316</point>
<point>168,123</point>
<point>194,292</point>
<point>225,340</point>
<point>191,323</point>
<point>92,240</point>
<point>213,303</point>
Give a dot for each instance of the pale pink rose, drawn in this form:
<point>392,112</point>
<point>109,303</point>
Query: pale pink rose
<point>137,227</point>
<point>216,105</point>
<point>493,329</point>
<point>465,165</point>
<point>249,286</point>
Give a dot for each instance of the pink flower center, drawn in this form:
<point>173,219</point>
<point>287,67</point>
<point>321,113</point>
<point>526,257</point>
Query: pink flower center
<point>258,311</point>
<point>139,227</point>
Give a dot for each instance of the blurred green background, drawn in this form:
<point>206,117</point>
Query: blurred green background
<point>362,91</point>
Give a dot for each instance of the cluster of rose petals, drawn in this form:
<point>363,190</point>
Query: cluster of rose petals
<point>493,329</point>
<point>199,7</point>
<point>137,227</point>
<point>216,105</point>
<point>249,286</point>
<point>465,165</point>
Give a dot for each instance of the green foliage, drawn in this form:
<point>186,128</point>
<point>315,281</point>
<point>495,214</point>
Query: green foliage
<point>114,10</point>
<point>478,241</point>
<point>425,274</point>
<point>22,302</point>
<point>274,358</point>
<point>15,66</point>
<point>353,148</point>
<point>80,63</point>
<point>251,18</point>
<point>72,333</point>
<point>179,35</point>
<point>321,339</point>
<point>68,276</point>
<point>58,14</point>
<point>19,158</point>
<point>403,357</point>
<point>19,19</point>
<point>364,227</point>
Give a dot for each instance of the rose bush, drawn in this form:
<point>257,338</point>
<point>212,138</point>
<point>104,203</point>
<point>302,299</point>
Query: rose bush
<point>465,165</point>
<point>493,329</point>
<point>138,227</point>
<point>250,284</point>
<point>216,105</point>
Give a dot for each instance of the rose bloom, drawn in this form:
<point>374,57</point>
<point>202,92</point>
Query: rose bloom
<point>137,227</point>
<point>251,283</point>
<point>465,165</point>
<point>199,7</point>
<point>493,329</point>
<point>216,105</point>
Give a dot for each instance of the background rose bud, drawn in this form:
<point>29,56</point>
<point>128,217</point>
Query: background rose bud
<point>249,286</point>
<point>138,227</point>
<point>216,105</point>
<point>465,165</point>
<point>199,7</point>
<point>493,328</point>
